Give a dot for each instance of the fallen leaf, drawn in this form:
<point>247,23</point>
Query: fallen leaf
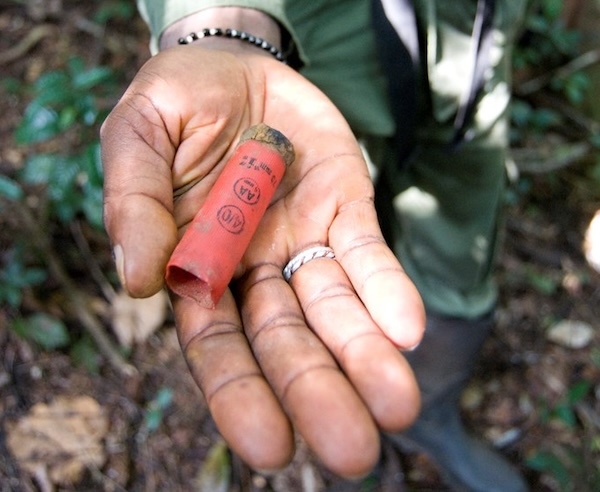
<point>591,246</point>
<point>135,320</point>
<point>571,334</point>
<point>471,397</point>
<point>62,438</point>
<point>215,471</point>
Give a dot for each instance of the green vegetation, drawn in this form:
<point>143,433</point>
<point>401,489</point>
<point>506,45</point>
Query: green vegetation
<point>550,99</point>
<point>60,184</point>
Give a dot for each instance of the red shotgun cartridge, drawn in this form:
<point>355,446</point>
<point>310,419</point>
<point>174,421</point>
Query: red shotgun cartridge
<point>205,259</point>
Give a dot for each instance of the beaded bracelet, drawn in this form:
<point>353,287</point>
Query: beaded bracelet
<point>234,34</point>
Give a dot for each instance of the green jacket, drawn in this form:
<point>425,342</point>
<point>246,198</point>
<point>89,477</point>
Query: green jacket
<point>442,211</point>
<point>336,43</point>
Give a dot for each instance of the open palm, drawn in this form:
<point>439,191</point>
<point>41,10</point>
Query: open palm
<point>318,355</point>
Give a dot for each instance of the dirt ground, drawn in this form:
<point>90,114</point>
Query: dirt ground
<point>534,396</point>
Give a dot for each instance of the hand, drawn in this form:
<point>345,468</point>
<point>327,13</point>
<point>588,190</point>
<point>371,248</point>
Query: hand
<point>319,354</point>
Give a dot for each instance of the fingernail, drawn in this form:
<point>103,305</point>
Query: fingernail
<point>411,349</point>
<point>119,258</point>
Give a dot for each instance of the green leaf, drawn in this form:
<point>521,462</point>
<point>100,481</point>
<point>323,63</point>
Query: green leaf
<point>544,118</point>
<point>68,205</point>
<point>153,419</point>
<point>91,163</point>
<point>84,353</point>
<point>578,392</point>
<point>576,87</point>
<point>63,177</point>
<point>566,41</point>
<point>155,410</point>
<point>15,273</point>
<point>45,330</point>
<point>40,168</point>
<point>14,277</point>
<point>537,23</point>
<point>53,88</point>
<point>39,123</point>
<point>216,469</point>
<point>10,295</point>
<point>521,112</point>
<point>552,8</point>
<point>75,65</point>
<point>67,118</point>
<point>33,276</point>
<point>548,462</point>
<point>89,116</point>
<point>92,206</point>
<point>163,398</point>
<point>87,79</point>
<point>117,9</point>
<point>10,189</point>
<point>566,415</point>
<point>12,85</point>
<point>544,284</point>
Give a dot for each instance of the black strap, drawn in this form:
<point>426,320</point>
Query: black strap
<point>482,43</point>
<point>398,46</point>
<point>398,50</point>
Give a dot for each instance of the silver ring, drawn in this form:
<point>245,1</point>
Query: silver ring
<point>304,257</point>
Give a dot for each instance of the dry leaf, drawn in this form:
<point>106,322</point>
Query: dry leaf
<point>62,438</point>
<point>571,334</point>
<point>134,320</point>
<point>591,246</point>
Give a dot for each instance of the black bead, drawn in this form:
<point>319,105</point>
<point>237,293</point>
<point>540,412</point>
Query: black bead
<point>234,33</point>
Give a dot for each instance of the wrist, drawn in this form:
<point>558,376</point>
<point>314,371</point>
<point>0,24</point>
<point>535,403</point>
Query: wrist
<point>252,21</point>
<point>241,36</point>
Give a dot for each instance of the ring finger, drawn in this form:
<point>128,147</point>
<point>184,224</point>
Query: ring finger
<point>373,364</point>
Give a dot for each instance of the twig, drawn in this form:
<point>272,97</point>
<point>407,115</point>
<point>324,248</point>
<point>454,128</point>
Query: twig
<point>28,42</point>
<point>43,479</point>
<point>77,300</point>
<point>90,260</point>
<point>103,479</point>
<point>589,125</point>
<point>588,415</point>
<point>538,161</point>
<point>583,61</point>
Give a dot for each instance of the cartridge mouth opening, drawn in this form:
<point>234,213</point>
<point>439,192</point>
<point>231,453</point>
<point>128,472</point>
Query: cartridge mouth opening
<point>185,284</point>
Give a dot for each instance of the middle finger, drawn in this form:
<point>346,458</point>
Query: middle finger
<point>373,364</point>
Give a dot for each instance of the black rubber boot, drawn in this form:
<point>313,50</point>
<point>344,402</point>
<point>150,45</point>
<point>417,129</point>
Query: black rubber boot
<point>443,364</point>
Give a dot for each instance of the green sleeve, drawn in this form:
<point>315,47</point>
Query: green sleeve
<point>333,39</point>
<point>159,14</point>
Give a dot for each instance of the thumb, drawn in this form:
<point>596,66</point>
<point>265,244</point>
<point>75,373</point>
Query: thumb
<point>143,236</point>
<point>138,197</point>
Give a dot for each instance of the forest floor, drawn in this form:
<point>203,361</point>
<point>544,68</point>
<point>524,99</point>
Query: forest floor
<point>535,395</point>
